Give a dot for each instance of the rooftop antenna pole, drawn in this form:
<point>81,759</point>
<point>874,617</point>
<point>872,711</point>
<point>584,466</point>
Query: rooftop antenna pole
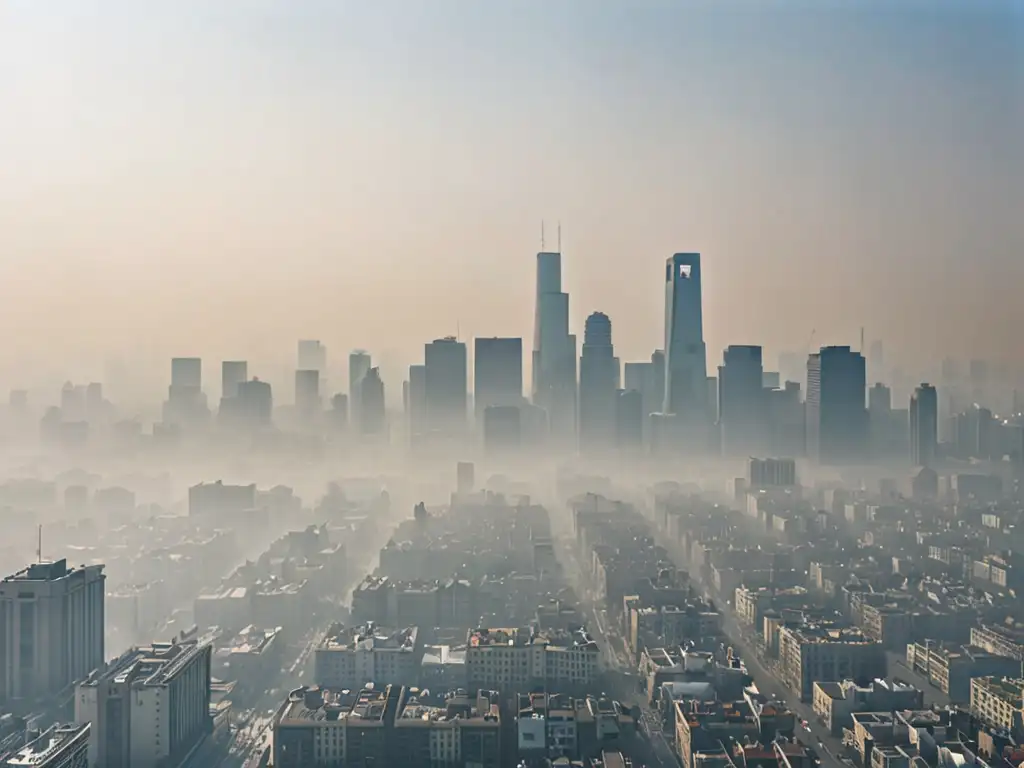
<point>39,546</point>
<point>559,237</point>
<point>862,339</point>
<point>542,234</point>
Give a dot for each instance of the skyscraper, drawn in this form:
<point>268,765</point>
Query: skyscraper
<point>742,403</point>
<point>358,365</point>
<point>497,373</point>
<point>372,413</point>
<point>924,425</point>
<point>416,404</point>
<point>836,416</point>
<point>554,350</point>
<point>185,403</point>
<point>685,353</point>
<point>629,420</point>
<point>255,404</point>
<point>232,373</point>
<point>52,620</point>
<point>599,377</point>
<point>307,393</point>
<point>446,385</point>
<point>187,372</point>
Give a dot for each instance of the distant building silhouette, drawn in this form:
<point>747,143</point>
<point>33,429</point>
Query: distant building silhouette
<point>599,383</point>
<point>836,416</point>
<point>372,413</point>
<point>924,425</point>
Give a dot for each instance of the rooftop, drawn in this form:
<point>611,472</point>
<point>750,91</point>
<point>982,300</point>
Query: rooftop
<point>1006,688</point>
<point>521,638</point>
<point>455,708</point>
<point>368,637</point>
<point>312,704</point>
<point>828,633</point>
<point>50,745</point>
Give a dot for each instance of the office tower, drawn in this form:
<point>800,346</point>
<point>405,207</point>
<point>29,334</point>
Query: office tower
<point>372,413</point>
<point>232,373</point>
<point>786,427</point>
<point>446,384</point>
<point>554,351</point>
<point>629,420</point>
<point>924,425</point>
<point>187,372</point>
<point>686,374</point>
<point>599,375</point>
<point>836,416</point>
<point>255,404</point>
<point>741,401</point>
<point>771,380</point>
<point>52,622</point>
<point>880,421</point>
<point>186,403</point>
<point>416,403</point>
<point>358,365</point>
<point>148,707</point>
<point>312,356</point>
<point>503,429</point>
<point>307,394</point>
<point>497,373</point>
<point>974,433</point>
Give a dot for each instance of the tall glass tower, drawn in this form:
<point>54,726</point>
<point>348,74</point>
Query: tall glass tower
<point>686,368</point>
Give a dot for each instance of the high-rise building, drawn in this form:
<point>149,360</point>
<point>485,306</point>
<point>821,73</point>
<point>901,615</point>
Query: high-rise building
<point>232,373</point>
<point>52,624</point>
<point>255,406</point>
<point>554,351</point>
<point>497,373</point>
<point>312,356</point>
<point>924,425</point>
<point>307,393</point>
<point>149,706</point>
<point>881,434</point>
<point>686,377</point>
<point>187,372</point>
<point>416,403</point>
<point>629,420</point>
<point>446,385</point>
<point>741,401</point>
<point>358,365</point>
<point>599,377</point>
<point>372,412</point>
<point>186,403</point>
<point>836,417</point>
<point>786,429</point>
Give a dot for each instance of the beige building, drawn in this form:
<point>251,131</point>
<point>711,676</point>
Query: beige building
<point>351,657</point>
<point>824,653</point>
<point>999,702</point>
<point>510,659</point>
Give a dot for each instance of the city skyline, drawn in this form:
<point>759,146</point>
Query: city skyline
<point>822,208</point>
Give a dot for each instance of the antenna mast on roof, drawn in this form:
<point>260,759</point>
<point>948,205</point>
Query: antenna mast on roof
<point>559,237</point>
<point>542,234</point>
<point>39,545</point>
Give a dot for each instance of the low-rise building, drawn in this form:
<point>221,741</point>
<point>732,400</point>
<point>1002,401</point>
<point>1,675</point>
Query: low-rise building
<point>386,726</point>
<point>826,653</point>
<point>518,659</point>
<point>835,703</point>
<point>351,657</point>
<point>951,667</point>
<point>999,702</point>
<point>61,746</point>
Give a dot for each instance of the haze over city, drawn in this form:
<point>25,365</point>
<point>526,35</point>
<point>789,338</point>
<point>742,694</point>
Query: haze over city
<point>466,384</point>
<point>219,179</point>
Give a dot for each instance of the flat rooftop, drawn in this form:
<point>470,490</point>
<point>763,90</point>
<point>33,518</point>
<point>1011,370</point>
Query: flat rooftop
<point>368,637</point>
<point>312,705</point>
<point>521,638</point>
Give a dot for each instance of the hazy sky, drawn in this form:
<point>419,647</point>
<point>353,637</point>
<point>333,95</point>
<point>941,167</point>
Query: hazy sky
<point>222,177</point>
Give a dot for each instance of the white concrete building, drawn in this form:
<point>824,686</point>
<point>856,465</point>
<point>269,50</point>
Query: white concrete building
<point>148,706</point>
<point>51,628</point>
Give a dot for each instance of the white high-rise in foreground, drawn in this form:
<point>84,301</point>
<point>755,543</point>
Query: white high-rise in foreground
<point>51,620</point>
<point>686,368</point>
<point>148,708</point>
